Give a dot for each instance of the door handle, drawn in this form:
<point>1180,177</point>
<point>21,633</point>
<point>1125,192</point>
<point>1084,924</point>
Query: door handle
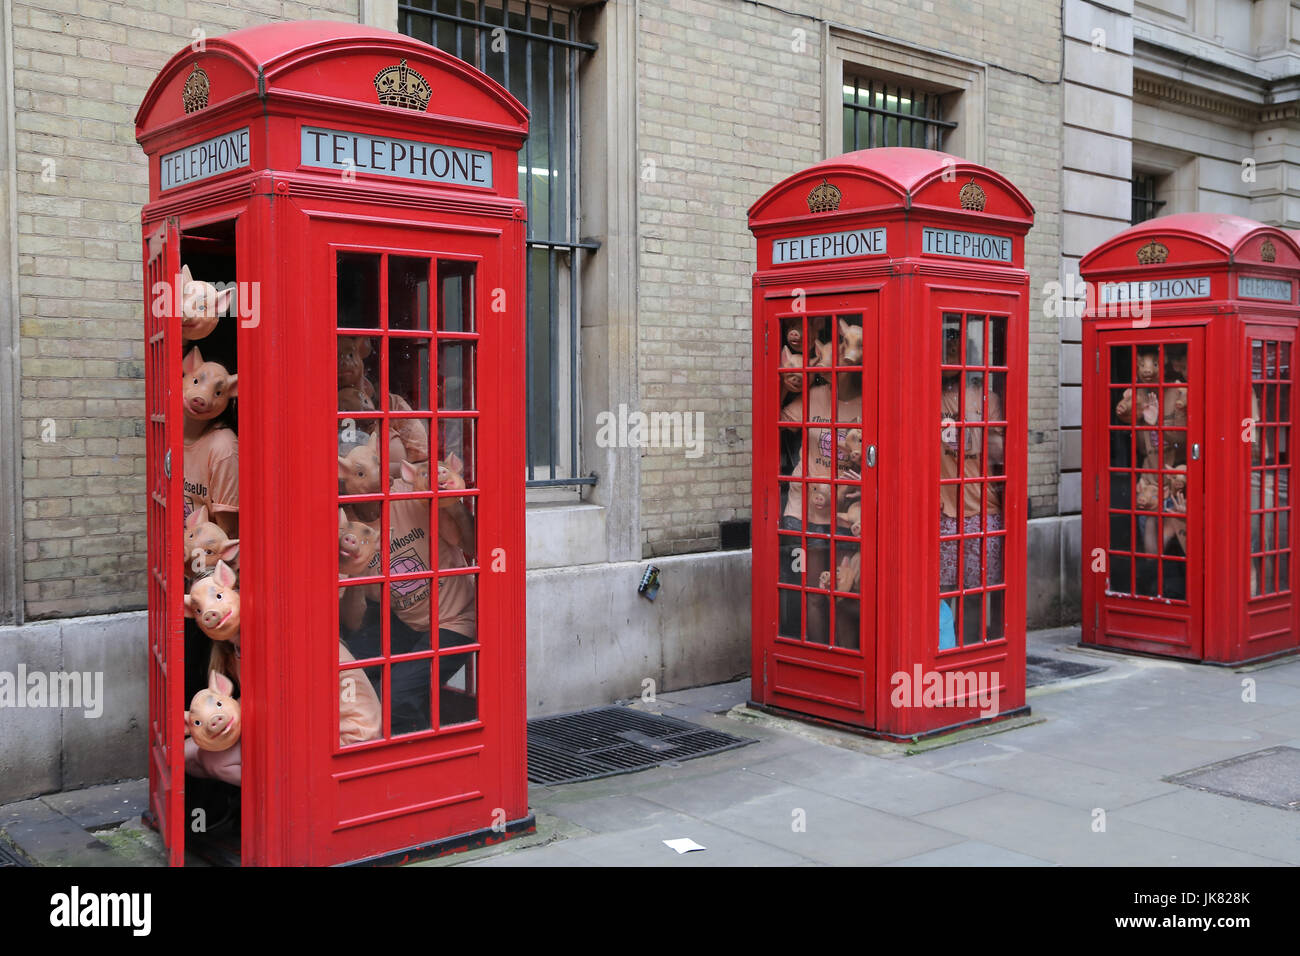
<point>871,456</point>
<point>1196,451</point>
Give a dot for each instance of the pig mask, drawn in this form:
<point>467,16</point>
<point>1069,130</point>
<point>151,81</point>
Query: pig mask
<point>850,344</point>
<point>206,543</point>
<point>353,352</point>
<point>451,477</point>
<point>213,718</point>
<point>214,602</point>
<point>820,498</point>
<point>358,542</point>
<point>201,306</point>
<point>790,381</point>
<point>359,469</point>
<point>207,387</point>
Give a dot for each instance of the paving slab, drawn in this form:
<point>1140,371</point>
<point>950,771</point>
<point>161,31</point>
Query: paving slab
<point>645,847</point>
<point>1065,835</point>
<point>970,853</point>
<point>49,838</point>
<point>1007,767</point>
<point>106,805</point>
<point>900,787</point>
<point>1223,821</point>
<point>827,829</point>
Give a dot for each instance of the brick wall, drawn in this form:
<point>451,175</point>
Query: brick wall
<point>727,108</point>
<point>81,68</point>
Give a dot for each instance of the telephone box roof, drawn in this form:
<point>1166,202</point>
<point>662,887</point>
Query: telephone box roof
<point>1220,236</point>
<point>906,174</point>
<point>294,57</point>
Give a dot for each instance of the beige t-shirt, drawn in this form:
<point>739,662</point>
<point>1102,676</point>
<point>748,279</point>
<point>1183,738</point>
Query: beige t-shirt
<point>408,527</point>
<point>212,472</point>
<point>821,454</point>
<point>971,457</point>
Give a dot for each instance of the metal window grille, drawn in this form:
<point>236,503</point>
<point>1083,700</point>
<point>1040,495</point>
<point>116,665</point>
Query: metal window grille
<point>531,49</point>
<point>878,113</point>
<point>1145,204</point>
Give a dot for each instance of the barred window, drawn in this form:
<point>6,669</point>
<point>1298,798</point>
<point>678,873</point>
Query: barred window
<point>1145,204</point>
<point>532,50</point>
<point>879,112</point>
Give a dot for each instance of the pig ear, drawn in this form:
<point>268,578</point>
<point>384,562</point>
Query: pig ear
<point>343,519</point>
<point>193,359</point>
<point>455,464</point>
<point>189,603</point>
<point>408,473</point>
<point>196,518</point>
<point>230,551</point>
<point>224,575</point>
<point>220,683</point>
<point>844,327</point>
<point>187,723</point>
<point>364,348</point>
<point>223,300</point>
<point>232,386</point>
<point>344,468</point>
<point>186,278</point>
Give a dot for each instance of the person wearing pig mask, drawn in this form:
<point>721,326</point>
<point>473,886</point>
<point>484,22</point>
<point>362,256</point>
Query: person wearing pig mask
<point>810,507</point>
<point>408,439</point>
<point>201,306</point>
<point>211,446</point>
<point>214,602</point>
<point>206,544</point>
<point>213,727</point>
<point>411,601</point>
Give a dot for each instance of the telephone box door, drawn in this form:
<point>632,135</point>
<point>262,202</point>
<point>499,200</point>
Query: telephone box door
<point>1151,488</point>
<point>818,507</point>
<point>166,621</point>
<point>422,625</point>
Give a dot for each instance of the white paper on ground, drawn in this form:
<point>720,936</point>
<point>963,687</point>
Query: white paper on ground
<point>684,845</point>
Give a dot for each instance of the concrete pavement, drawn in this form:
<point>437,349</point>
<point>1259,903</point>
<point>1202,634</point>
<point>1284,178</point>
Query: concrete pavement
<point>1081,782</point>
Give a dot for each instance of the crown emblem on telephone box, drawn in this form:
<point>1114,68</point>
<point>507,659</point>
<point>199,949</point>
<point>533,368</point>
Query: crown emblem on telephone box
<point>402,86</point>
<point>824,198</point>
<point>1153,253</point>
<point>194,94</point>
<point>1267,251</point>
<point>972,197</point>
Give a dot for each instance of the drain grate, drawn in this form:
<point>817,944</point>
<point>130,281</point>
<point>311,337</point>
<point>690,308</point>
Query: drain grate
<point>1270,777</point>
<point>1049,670</point>
<point>611,740</point>
<point>9,857</point>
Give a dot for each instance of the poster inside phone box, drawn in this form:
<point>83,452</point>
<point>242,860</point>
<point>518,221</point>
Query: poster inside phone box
<point>334,252</point>
<point>889,469</point>
<point>1187,415</point>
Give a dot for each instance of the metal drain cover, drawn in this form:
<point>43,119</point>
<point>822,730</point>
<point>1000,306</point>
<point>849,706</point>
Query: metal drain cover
<point>1049,670</point>
<point>611,740</point>
<point>1270,777</point>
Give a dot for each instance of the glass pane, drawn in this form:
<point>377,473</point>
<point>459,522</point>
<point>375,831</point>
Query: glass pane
<point>1121,363</point>
<point>1256,359</point>
<point>947,623</point>
<point>458,696</point>
<point>1176,363</point>
<point>1175,452</point>
<point>792,335</point>
<point>972,618</point>
<point>456,376</point>
<point>848,336</point>
<point>1270,360</point>
<point>952,334</point>
<point>357,290</point>
<point>358,364</point>
<point>994,602</point>
<point>360,702</point>
<point>412,687</point>
<point>408,293</point>
<point>456,299</point>
<point>1121,574</point>
<point>1146,573</point>
<point>1175,580</point>
<point>998,341</point>
<point>358,546</point>
<point>974,340</point>
<point>408,371</point>
<point>847,623</point>
<point>456,461</point>
<point>1121,537</point>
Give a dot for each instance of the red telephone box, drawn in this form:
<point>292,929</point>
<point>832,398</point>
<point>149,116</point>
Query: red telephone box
<point>1187,414</point>
<point>890,350</point>
<point>358,191</point>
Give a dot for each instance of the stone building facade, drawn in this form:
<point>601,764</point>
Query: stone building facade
<point>681,114</point>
